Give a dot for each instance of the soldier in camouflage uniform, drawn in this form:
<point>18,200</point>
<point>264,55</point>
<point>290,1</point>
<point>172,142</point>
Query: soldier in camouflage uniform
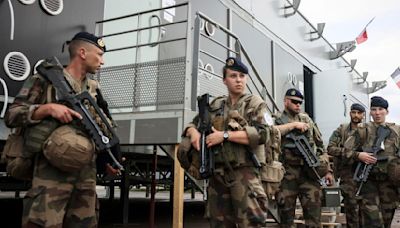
<point>59,198</point>
<point>299,180</point>
<point>379,197</point>
<point>343,170</point>
<point>235,193</point>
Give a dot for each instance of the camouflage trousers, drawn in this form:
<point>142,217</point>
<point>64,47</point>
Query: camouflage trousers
<point>236,199</point>
<point>61,199</point>
<point>379,199</point>
<point>297,183</point>
<point>351,203</point>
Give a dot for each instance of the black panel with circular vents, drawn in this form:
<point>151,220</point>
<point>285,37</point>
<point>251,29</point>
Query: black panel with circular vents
<point>31,31</point>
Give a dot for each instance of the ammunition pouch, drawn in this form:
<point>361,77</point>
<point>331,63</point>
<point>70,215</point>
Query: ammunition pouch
<point>271,177</point>
<point>233,154</point>
<point>381,167</point>
<point>37,134</point>
<point>229,153</point>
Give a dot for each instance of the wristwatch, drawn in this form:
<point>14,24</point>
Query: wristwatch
<point>226,135</point>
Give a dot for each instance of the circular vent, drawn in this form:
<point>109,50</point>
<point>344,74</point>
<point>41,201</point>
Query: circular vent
<point>17,66</point>
<point>27,2</point>
<point>210,28</point>
<point>52,7</point>
<point>209,68</point>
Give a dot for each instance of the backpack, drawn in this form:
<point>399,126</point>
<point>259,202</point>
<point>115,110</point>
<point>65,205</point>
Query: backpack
<point>273,171</point>
<point>18,154</point>
<point>18,164</point>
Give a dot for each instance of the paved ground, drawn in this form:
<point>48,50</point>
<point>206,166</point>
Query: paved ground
<point>111,210</point>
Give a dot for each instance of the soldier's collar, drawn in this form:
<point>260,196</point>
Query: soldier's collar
<point>289,114</point>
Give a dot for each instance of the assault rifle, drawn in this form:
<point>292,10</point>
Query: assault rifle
<point>207,163</point>
<point>303,146</point>
<point>52,70</point>
<point>362,170</point>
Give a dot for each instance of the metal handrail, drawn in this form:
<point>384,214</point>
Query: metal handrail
<point>140,13</point>
<point>139,29</point>
<point>146,44</point>
<point>219,43</point>
<point>143,28</point>
<point>241,50</point>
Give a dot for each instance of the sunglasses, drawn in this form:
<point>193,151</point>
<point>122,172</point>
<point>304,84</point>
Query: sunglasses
<point>296,101</point>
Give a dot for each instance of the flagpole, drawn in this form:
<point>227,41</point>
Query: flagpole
<point>366,26</point>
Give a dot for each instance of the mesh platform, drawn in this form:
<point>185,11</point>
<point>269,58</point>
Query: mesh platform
<point>152,83</point>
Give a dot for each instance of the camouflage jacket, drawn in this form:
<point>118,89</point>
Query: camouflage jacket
<point>337,140</point>
<point>336,148</point>
<point>364,137</point>
<point>37,90</point>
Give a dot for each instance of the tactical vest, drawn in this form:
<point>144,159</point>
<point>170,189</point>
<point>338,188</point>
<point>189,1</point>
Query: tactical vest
<point>311,134</point>
<point>367,134</point>
<point>234,120</point>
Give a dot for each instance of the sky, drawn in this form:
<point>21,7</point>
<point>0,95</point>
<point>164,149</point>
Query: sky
<point>379,55</point>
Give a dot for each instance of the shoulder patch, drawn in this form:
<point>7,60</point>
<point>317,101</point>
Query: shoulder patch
<point>268,119</point>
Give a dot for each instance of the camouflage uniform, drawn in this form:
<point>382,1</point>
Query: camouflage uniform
<point>235,194</point>
<point>299,180</point>
<point>345,172</point>
<point>57,198</point>
<point>379,197</point>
